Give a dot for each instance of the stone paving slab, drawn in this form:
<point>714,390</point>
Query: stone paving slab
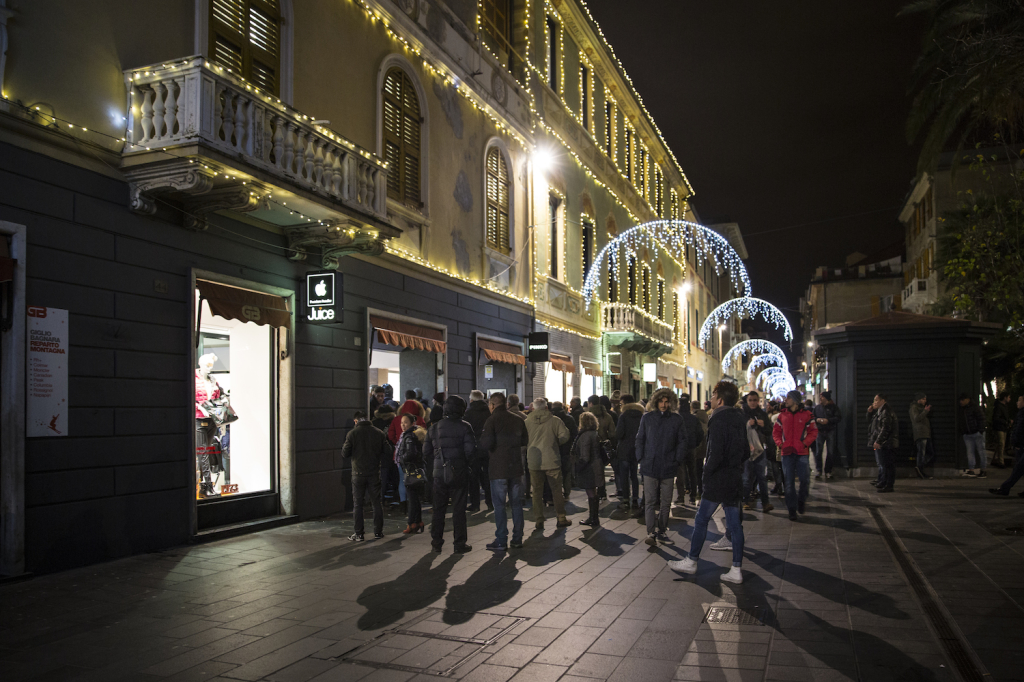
<point>827,595</point>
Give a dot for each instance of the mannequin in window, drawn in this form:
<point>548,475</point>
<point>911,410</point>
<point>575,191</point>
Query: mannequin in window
<point>207,388</point>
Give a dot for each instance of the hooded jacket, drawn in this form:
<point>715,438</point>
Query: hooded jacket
<point>587,466</point>
<point>367,447</point>
<point>409,451</point>
<point>694,431</point>
<point>503,439</point>
<point>412,407</point>
<point>884,428</point>
<point>383,417</point>
<point>727,453</point>
<point>450,440</point>
<point>920,421</point>
<point>794,432</point>
<point>547,433</point>
<point>661,440</point>
<point>972,419</point>
<point>625,431</point>
<point>605,422</point>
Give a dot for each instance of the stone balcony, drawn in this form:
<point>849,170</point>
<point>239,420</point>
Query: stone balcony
<point>204,140</point>
<point>628,327</point>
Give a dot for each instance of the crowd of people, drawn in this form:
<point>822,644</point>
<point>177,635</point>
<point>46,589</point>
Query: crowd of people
<point>509,456</point>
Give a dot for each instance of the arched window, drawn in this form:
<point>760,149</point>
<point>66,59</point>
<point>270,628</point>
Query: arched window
<point>498,185</point>
<point>631,260</point>
<point>245,37</point>
<point>402,137</point>
<point>646,301</point>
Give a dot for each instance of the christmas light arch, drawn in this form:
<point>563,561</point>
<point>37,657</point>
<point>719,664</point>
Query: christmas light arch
<point>752,346</point>
<point>771,374</point>
<point>673,237</point>
<point>743,307</point>
<point>765,359</point>
<point>780,385</point>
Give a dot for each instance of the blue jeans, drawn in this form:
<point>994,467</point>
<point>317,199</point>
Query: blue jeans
<point>754,471</point>
<point>795,466</point>
<point>925,453</point>
<point>1018,470</point>
<point>512,489</point>
<point>733,521</point>
<point>827,441</point>
<point>975,443</point>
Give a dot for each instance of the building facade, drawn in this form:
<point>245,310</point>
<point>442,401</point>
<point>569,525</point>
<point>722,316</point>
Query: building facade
<point>288,202</point>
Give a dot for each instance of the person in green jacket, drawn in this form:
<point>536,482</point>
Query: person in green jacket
<point>921,425</point>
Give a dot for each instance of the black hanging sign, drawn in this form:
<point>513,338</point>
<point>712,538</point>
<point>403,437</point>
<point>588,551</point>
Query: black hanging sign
<point>324,294</point>
<point>537,347</point>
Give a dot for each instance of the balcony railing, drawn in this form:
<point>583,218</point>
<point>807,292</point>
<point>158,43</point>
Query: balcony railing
<point>622,317</point>
<point>192,102</point>
<point>916,292</point>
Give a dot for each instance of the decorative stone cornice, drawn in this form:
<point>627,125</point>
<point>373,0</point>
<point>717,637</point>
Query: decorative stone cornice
<point>333,241</point>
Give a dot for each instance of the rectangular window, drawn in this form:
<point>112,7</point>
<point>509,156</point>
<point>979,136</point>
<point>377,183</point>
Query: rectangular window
<point>245,38</point>
<point>584,95</point>
<point>496,22</point>
<point>609,128</point>
<point>661,299</point>
<point>629,155</point>
<point>632,280</point>
<point>675,315</point>
<point>553,205</point>
<point>613,280</point>
<point>587,244</point>
<point>552,35</point>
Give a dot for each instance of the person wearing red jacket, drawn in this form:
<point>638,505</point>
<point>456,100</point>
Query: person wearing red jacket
<point>794,433</point>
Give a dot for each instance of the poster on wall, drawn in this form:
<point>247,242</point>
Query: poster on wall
<point>47,386</point>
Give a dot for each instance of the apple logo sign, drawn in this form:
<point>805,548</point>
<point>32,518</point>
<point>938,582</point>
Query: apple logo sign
<point>320,288</point>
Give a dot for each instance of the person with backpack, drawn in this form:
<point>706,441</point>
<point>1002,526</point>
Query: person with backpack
<point>451,444</point>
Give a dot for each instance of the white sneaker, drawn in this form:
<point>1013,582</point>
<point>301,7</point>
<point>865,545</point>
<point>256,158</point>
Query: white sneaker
<point>724,544</point>
<point>828,476</point>
<point>685,565</point>
<point>735,575</point>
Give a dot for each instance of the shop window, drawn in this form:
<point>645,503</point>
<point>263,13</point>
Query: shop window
<point>245,38</point>
<point>236,390</point>
<point>402,131</point>
<point>498,185</point>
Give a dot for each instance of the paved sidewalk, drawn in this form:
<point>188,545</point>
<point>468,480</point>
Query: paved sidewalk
<point>831,597</point>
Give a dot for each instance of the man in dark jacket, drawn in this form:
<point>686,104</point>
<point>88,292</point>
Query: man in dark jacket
<point>794,433</point>
<point>921,427</point>
<point>575,408</point>
<point>759,430</point>
<point>687,474</point>
<point>476,415</point>
<point>727,451</point>
<point>1000,425</point>
<point>367,447</point>
<point>1017,443</point>
<point>661,445</point>
<point>884,439</point>
<point>503,439</point>
<point>450,443</point>
<point>630,413</point>
<point>972,426</point>
<point>565,449</point>
<point>827,417</point>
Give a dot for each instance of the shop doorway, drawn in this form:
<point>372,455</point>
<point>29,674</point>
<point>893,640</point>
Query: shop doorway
<point>558,381</point>
<point>499,365</point>
<point>240,344</point>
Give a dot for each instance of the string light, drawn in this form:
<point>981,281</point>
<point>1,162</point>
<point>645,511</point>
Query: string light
<point>770,374</point>
<point>746,307</point>
<point>764,360</point>
<point>752,347</point>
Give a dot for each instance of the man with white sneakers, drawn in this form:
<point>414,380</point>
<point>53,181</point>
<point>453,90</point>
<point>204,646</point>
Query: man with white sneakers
<point>728,451</point>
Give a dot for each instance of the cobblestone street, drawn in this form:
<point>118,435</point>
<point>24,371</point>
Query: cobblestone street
<point>923,584</point>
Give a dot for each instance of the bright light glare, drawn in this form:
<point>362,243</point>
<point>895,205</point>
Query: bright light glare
<point>543,159</point>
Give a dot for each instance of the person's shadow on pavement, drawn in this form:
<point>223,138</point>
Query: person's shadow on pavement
<point>418,587</point>
<point>493,583</point>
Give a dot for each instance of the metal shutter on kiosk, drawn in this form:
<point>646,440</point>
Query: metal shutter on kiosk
<point>899,379</point>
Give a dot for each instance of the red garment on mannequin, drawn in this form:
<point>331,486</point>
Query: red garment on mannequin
<point>201,395</point>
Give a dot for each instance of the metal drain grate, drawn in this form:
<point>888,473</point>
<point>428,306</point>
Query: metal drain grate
<point>718,615</point>
<point>429,645</point>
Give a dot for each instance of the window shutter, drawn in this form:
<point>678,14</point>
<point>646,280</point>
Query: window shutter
<point>401,127</point>
<point>245,38</point>
<point>497,201</point>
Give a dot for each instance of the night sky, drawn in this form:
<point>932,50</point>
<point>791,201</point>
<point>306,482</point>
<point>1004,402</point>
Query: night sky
<point>781,114</point>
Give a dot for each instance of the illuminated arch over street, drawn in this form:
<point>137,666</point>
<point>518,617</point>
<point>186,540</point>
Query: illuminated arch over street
<point>764,360</point>
<point>747,307</point>
<point>753,347</point>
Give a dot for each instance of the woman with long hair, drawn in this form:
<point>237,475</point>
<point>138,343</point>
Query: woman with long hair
<point>587,464</point>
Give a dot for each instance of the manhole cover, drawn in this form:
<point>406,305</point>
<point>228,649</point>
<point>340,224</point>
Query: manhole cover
<point>436,642</point>
<point>718,615</point>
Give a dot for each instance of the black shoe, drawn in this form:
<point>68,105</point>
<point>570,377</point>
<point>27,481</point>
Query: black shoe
<point>490,507</point>
<point>792,515</point>
<point>885,490</point>
<point>999,491</point>
<point>496,546</point>
<point>462,549</point>
<point>356,537</point>
<point>801,506</point>
<point>516,545</point>
<point>1020,494</point>
<point>920,474</point>
<point>588,522</point>
<point>473,510</point>
<point>436,548</point>
<point>378,535</point>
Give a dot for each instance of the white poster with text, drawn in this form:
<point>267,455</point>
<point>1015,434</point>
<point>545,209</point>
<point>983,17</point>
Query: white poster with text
<point>47,408</point>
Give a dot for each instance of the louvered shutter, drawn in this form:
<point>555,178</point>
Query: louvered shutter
<point>497,201</point>
<point>245,38</point>
<point>401,126</point>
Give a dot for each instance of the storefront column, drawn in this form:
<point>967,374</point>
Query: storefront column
<point>12,413</point>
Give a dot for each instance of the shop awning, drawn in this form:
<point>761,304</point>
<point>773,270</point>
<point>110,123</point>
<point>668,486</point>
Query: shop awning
<point>633,372</point>
<point>496,351</point>
<point>562,363</point>
<point>663,381</point>
<point>408,335</point>
<point>591,368</point>
<point>243,305</point>
<point>678,383</point>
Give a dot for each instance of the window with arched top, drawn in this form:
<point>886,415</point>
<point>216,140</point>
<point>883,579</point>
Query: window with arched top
<point>646,301</point>
<point>245,38</point>
<point>631,275</point>
<point>498,190</point>
<point>401,128</point>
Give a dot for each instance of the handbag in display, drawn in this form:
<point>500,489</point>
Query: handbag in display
<point>220,410</point>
